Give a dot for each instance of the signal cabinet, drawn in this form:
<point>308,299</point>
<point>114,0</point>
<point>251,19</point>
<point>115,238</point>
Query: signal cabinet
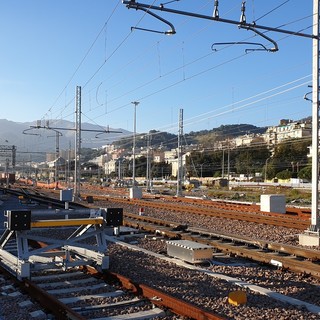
<point>189,251</point>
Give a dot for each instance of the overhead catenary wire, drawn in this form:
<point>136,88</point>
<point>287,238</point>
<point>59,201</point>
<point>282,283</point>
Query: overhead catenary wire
<point>271,11</point>
<point>128,104</point>
<point>85,56</point>
<point>243,104</point>
<point>178,82</point>
<point>99,68</point>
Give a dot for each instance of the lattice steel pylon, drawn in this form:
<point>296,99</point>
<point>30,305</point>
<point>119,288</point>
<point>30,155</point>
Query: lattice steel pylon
<point>9,152</point>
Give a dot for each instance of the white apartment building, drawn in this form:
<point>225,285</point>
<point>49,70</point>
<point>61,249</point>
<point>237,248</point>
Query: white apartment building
<point>248,139</point>
<point>110,166</point>
<point>169,155</point>
<point>100,161</point>
<point>175,164</point>
<point>287,129</point>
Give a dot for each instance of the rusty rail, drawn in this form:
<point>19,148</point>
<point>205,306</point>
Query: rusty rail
<point>275,219</point>
<point>162,299</point>
<point>296,259</point>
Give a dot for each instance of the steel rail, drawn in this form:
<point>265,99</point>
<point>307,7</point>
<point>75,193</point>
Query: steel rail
<point>275,219</point>
<point>291,212</point>
<point>297,260</point>
<point>60,310</point>
<point>159,297</point>
<point>47,301</point>
<point>312,255</point>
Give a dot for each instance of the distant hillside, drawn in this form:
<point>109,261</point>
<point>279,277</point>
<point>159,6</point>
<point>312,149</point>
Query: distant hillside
<point>204,137</point>
<point>157,140</point>
<point>208,137</point>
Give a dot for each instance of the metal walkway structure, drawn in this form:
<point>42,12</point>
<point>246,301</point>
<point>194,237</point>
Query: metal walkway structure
<point>78,238</point>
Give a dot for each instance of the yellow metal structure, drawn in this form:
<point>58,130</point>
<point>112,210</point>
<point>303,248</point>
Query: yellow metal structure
<point>66,222</point>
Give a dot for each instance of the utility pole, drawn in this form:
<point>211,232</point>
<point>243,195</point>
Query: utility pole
<point>266,170</point>
<point>179,171</point>
<point>56,168</point>
<point>7,173</point>
<point>119,169</point>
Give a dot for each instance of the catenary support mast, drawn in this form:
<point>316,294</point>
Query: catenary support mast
<point>77,143</point>
<point>315,120</point>
<point>180,169</point>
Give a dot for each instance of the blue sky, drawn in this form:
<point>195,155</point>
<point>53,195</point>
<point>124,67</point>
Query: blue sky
<point>50,47</point>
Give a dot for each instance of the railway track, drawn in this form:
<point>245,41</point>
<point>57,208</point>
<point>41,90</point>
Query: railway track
<point>274,219</point>
<point>74,294</point>
<point>288,257</point>
<point>84,293</point>
<point>156,274</point>
<point>294,258</point>
<point>81,292</point>
<point>294,218</point>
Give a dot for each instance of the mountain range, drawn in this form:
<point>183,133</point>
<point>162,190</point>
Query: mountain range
<point>31,138</point>
<point>34,139</point>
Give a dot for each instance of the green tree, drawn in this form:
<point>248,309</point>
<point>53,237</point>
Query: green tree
<point>305,173</point>
<point>285,174</point>
<point>251,160</point>
<point>269,171</point>
<point>161,169</point>
<point>288,153</point>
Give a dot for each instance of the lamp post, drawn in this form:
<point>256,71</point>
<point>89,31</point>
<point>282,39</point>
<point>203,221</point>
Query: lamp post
<point>201,165</point>
<point>265,170</point>
<point>135,103</point>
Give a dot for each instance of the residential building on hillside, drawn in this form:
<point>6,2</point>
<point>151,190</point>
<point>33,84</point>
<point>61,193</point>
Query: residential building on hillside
<point>100,161</point>
<point>110,166</point>
<point>248,139</point>
<point>169,155</point>
<point>175,164</point>
<point>287,129</point>
<point>59,162</point>
<point>225,144</point>
<point>108,148</point>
